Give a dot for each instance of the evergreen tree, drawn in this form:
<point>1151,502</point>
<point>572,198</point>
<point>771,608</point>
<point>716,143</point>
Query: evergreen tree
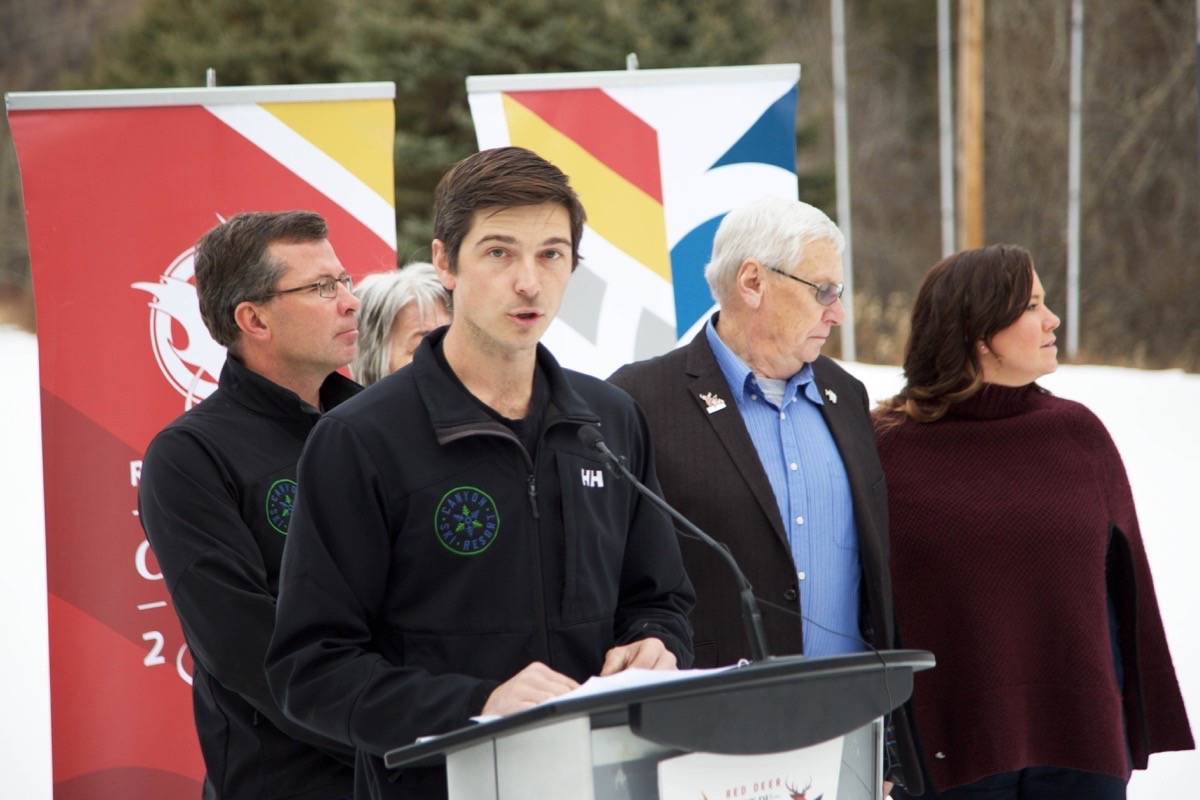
<point>173,42</point>
<point>429,48</point>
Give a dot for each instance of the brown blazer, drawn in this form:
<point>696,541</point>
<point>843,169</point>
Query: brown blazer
<point>710,471</point>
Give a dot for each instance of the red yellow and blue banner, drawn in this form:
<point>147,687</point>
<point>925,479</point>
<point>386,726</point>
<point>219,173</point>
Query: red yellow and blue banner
<point>118,186</point>
<point>658,158</point>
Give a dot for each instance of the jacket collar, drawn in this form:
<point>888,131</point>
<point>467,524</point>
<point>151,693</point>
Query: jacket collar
<point>452,410</point>
<point>708,382</point>
<point>252,390</point>
<point>740,377</point>
<point>843,417</point>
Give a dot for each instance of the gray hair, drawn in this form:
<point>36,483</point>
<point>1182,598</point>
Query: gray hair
<point>772,231</point>
<point>383,295</point>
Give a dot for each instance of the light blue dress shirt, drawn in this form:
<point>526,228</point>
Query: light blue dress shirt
<point>811,488</point>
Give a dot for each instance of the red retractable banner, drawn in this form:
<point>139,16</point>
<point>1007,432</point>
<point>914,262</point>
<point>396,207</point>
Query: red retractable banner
<point>118,187</point>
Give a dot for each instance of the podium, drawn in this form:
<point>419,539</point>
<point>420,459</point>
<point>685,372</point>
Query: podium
<point>608,746</point>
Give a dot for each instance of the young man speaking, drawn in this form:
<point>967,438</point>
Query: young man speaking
<point>456,549</point>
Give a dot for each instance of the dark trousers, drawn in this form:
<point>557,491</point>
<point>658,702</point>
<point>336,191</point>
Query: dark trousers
<point>1032,783</point>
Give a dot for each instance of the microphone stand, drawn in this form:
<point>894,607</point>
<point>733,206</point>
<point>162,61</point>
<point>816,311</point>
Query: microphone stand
<point>751,615</point>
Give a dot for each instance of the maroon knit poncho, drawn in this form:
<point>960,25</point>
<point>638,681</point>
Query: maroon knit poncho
<point>1001,515</point>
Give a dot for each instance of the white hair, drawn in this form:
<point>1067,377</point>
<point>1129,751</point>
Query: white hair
<point>383,295</point>
<point>772,231</point>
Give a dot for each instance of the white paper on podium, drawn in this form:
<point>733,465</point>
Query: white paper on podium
<point>626,679</point>
<point>809,772</point>
<point>632,679</point>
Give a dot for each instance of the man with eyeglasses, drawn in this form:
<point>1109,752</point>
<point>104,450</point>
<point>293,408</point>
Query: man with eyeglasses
<point>768,446</point>
<point>218,485</point>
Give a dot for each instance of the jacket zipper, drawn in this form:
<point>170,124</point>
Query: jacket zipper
<point>531,493</point>
<point>503,433</point>
<point>533,496</point>
<point>540,594</point>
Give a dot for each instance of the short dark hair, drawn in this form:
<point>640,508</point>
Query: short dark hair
<point>233,265</point>
<point>505,177</point>
<point>965,298</point>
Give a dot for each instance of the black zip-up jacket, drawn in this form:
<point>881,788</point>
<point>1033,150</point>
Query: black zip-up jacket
<point>431,559</point>
<point>215,498</point>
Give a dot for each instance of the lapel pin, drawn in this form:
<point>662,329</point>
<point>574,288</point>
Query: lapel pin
<point>712,403</point>
<point>832,395</point>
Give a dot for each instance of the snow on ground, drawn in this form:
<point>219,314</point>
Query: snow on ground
<point>25,664</point>
<point>1152,417</point>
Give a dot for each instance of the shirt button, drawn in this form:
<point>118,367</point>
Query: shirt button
<point>801,575</point>
<point>793,466</point>
<point>782,415</point>
<point>790,594</point>
<point>799,520</point>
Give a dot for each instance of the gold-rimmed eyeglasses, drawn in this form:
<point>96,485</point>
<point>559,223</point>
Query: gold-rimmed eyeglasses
<point>326,287</point>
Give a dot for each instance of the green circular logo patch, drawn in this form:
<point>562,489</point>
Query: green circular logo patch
<point>466,521</point>
<point>281,498</point>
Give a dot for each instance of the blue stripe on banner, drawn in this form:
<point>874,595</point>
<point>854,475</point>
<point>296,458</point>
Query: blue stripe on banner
<point>770,140</point>
<point>688,258</point>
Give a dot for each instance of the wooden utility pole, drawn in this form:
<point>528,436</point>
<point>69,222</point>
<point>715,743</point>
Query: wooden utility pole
<point>970,124</point>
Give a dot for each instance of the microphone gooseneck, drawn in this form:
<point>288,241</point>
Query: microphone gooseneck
<point>591,438</point>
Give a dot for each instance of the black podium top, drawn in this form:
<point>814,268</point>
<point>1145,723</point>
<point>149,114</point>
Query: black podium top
<point>779,704</point>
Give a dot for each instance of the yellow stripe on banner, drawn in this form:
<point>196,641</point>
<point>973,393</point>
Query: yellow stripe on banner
<point>358,134</point>
<point>617,210</point>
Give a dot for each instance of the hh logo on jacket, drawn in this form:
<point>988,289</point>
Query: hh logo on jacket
<point>592,478</point>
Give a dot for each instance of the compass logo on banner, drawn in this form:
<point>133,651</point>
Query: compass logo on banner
<point>186,354</point>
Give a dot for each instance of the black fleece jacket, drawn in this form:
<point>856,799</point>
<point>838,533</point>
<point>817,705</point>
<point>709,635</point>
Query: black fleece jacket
<point>215,499</point>
<point>430,559</point>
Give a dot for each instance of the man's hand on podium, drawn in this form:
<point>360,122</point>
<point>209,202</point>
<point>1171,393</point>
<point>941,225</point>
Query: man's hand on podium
<point>526,689</point>
<point>648,653</point>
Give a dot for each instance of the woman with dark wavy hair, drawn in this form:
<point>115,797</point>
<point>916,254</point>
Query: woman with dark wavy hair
<point>1016,555</point>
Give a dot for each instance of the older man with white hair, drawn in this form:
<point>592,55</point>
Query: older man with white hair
<point>768,446</point>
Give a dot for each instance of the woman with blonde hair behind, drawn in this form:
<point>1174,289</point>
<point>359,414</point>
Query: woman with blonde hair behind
<point>1016,555</point>
<point>398,308</point>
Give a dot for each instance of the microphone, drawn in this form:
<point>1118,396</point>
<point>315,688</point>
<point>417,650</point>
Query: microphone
<point>592,439</point>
